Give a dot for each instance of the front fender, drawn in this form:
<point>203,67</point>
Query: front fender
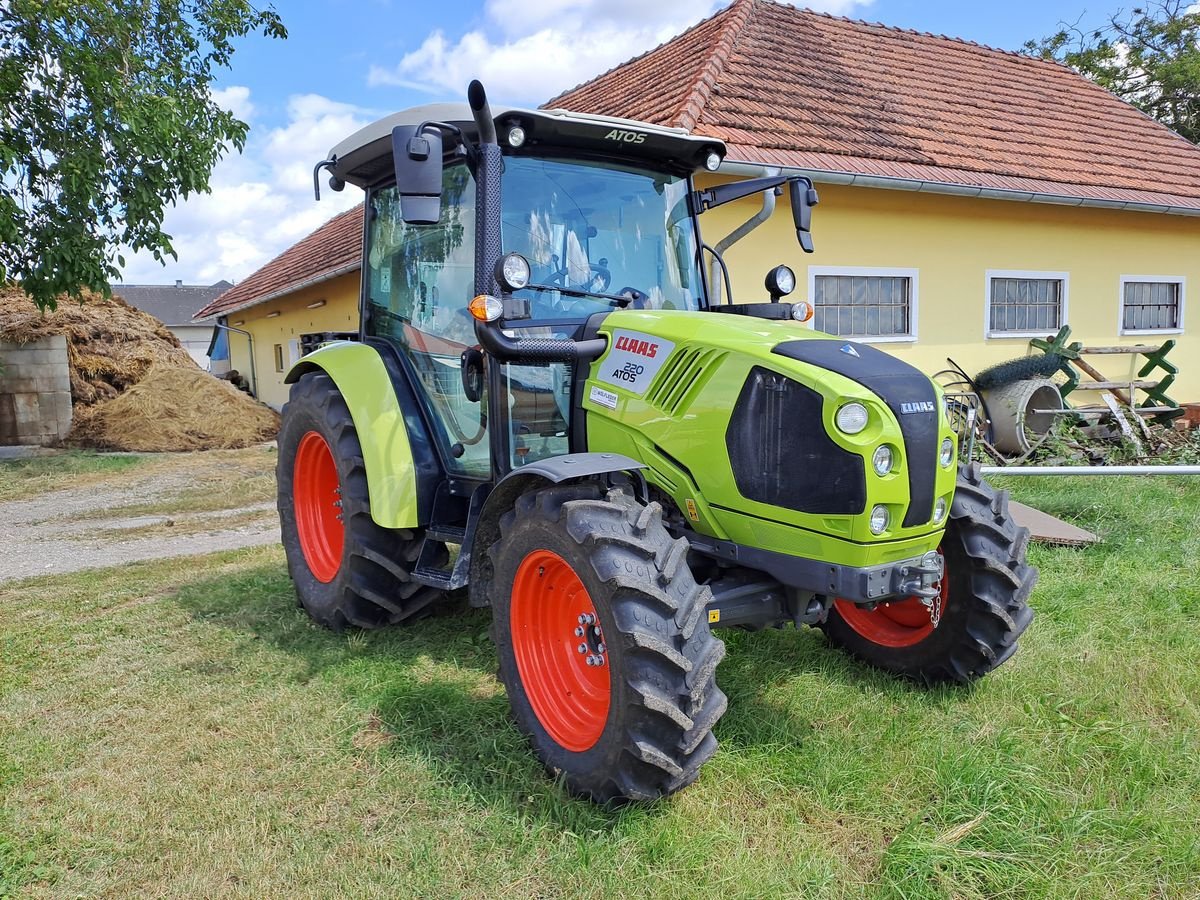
<point>362,379</point>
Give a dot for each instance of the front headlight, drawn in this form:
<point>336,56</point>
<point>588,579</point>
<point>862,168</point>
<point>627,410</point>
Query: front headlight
<point>851,418</point>
<point>947,455</point>
<point>882,460</point>
<point>939,510</point>
<point>880,519</point>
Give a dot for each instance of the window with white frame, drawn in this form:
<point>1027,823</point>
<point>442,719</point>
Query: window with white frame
<point>877,304</point>
<point>1151,304</point>
<point>1021,304</point>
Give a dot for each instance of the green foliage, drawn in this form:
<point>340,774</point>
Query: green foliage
<point>105,119</point>
<point>1149,57</point>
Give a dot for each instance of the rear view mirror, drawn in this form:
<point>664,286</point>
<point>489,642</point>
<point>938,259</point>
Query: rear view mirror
<point>803,198</point>
<point>418,159</point>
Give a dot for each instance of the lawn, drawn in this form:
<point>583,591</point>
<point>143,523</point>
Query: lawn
<point>175,729</point>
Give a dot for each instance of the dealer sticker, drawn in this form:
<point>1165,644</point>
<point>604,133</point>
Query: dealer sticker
<point>634,360</point>
<point>603,397</point>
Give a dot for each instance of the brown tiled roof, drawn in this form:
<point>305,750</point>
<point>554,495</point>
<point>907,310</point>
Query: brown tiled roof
<point>795,88</point>
<point>333,249</point>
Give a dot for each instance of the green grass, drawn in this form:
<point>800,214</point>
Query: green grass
<point>182,730</point>
<point>24,478</point>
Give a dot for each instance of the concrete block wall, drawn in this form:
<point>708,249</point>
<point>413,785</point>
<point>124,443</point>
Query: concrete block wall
<point>35,392</point>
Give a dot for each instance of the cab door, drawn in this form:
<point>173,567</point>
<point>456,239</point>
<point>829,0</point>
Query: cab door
<point>418,281</point>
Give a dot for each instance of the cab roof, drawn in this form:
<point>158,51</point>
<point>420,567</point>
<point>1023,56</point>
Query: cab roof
<point>365,157</point>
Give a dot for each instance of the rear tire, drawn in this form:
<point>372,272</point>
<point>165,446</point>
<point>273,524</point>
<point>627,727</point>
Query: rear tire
<point>347,569</point>
<point>638,725</point>
<point>985,592</point>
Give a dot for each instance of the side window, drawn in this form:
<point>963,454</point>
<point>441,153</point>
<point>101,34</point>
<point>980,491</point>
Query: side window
<point>419,281</point>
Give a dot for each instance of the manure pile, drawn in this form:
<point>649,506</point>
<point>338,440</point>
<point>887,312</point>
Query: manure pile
<point>133,387</point>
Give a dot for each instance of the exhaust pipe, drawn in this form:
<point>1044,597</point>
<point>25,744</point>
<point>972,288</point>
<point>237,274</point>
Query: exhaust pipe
<point>477,97</point>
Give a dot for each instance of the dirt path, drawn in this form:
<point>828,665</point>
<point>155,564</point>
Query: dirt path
<point>165,506</point>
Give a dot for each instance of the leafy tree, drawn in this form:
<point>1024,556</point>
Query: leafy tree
<point>106,117</point>
<point>1149,57</point>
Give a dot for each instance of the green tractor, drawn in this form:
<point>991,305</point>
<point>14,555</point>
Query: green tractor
<point>548,412</point>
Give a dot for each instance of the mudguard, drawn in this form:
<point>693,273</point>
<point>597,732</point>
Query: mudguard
<point>362,379</point>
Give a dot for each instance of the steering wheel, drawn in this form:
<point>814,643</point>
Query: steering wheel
<point>598,283</point>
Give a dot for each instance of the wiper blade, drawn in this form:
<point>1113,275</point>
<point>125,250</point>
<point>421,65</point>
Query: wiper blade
<point>614,299</point>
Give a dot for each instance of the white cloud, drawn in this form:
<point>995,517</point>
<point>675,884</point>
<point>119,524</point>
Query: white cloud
<point>236,99</point>
<point>261,201</point>
<point>551,46</point>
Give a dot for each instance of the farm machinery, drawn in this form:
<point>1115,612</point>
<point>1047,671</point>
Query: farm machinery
<point>548,412</point>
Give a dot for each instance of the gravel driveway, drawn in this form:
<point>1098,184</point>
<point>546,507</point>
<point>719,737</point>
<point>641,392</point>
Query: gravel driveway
<point>175,505</point>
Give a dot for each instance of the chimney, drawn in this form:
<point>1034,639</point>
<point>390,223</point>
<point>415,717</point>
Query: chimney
<point>178,282</point>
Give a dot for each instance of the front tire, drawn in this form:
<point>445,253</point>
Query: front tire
<point>347,570</point>
<point>984,598</point>
<point>604,644</point>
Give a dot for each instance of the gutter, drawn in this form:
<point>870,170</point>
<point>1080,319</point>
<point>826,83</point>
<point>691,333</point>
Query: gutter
<point>889,183</point>
<point>284,291</point>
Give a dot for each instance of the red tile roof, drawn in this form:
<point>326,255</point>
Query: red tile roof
<point>333,249</point>
<point>790,87</point>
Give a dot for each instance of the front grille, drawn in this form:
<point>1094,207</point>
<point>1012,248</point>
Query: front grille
<point>781,454</point>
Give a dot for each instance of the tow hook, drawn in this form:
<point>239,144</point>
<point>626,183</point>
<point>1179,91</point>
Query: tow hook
<point>923,580</point>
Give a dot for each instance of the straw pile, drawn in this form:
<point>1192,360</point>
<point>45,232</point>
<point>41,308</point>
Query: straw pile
<point>133,387</point>
<point>175,408</point>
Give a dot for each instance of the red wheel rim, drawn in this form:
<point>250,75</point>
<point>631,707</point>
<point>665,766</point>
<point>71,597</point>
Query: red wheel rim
<point>552,617</point>
<point>900,623</point>
<point>318,502</point>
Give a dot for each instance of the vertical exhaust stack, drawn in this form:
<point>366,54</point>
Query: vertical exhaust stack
<point>477,97</point>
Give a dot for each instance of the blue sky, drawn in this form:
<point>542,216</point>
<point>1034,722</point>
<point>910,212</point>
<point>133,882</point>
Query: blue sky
<point>347,62</point>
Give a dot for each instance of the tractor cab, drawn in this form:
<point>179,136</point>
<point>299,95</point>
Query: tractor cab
<point>548,407</point>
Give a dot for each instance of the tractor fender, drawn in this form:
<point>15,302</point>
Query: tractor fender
<point>364,383</point>
<point>552,470</point>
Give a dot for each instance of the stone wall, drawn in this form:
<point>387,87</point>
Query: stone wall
<point>35,392</point>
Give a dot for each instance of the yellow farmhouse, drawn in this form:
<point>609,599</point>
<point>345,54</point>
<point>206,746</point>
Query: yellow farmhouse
<point>971,198</point>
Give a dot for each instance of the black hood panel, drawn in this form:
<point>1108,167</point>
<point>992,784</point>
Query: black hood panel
<point>908,393</point>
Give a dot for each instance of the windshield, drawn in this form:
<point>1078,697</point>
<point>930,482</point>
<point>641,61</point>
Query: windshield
<point>593,232</point>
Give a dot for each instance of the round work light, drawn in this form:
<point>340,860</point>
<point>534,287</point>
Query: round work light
<point>512,271</point>
<point>780,282</point>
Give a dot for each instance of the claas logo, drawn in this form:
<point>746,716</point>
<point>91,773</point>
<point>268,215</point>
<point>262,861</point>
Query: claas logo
<point>641,348</point>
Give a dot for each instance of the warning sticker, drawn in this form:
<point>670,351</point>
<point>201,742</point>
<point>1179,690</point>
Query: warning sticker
<point>603,397</point>
<point>634,360</point>
<point>714,616</point>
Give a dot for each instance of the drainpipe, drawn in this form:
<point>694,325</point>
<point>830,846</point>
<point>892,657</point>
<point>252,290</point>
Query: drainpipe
<point>250,343</point>
<point>768,209</point>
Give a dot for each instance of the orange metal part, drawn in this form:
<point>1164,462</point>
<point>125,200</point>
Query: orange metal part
<point>550,607</point>
<point>318,501</point>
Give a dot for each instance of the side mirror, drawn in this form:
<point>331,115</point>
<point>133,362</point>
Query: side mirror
<point>803,198</point>
<point>418,159</point>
